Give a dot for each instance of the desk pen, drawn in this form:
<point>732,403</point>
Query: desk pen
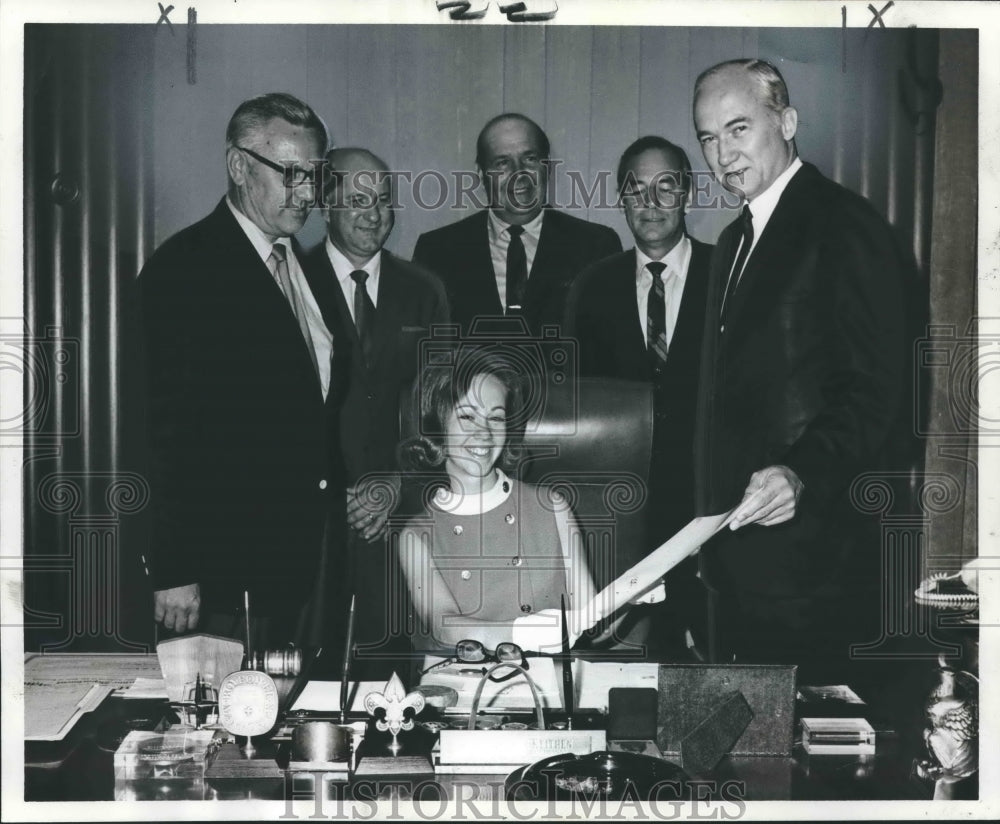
<point>567,666</point>
<point>345,672</point>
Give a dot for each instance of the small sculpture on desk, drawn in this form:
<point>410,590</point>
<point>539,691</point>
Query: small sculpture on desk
<point>952,736</point>
<point>201,707</point>
<point>395,701</point>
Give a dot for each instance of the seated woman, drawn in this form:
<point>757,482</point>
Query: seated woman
<point>491,557</point>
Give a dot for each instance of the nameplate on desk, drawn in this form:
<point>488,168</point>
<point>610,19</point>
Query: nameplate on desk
<point>475,749</point>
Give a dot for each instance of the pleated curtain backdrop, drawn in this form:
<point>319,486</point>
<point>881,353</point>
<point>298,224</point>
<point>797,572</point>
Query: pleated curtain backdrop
<point>88,226</point>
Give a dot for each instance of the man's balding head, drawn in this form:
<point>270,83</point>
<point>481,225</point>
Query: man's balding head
<point>359,201</point>
<point>512,154</point>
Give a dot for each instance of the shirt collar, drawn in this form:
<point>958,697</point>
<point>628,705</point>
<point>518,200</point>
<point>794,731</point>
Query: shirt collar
<point>763,206</point>
<point>342,267</point>
<point>676,259</point>
<point>255,235</point>
<point>497,226</point>
<point>475,503</point>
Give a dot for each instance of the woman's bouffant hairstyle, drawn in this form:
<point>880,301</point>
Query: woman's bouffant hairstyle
<point>439,388</point>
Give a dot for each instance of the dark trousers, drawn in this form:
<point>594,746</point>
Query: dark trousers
<point>814,633</point>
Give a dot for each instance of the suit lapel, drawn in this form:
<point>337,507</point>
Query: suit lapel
<point>770,262</point>
<point>323,283</point>
<point>633,329</point>
<point>253,272</point>
<point>691,315</point>
<point>242,256</point>
<point>388,312</point>
<point>344,320</point>
<point>483,280</point>
<point>545,266</point>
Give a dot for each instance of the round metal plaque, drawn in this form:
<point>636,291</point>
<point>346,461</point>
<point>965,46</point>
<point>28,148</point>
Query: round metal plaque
<point>248,703</point>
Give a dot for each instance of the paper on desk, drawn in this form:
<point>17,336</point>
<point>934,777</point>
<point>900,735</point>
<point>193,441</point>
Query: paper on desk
<point>645,574</point>
<point>146,688</point>
<point>324,696</point>
<point>51,709</point>
<point>116,670</point>
<point>595,679</point>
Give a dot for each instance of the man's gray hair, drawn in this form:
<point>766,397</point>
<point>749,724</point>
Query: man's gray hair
<point>251,115</point>
<point>772,84</point>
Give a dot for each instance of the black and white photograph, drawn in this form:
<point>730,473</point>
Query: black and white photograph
<point>544,410</point>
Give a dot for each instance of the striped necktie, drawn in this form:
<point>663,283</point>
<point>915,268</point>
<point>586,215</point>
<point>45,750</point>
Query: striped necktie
<point>656,319</point>
<point>277,262</point>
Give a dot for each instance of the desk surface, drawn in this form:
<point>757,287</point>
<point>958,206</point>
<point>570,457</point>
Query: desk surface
<point>80,768</point>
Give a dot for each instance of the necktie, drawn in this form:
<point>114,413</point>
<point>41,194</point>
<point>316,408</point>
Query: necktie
<point>517,269</point>
<point>278,264</point>
<point>746,224</point>
<point>656,315</point>
<point>364,313</point>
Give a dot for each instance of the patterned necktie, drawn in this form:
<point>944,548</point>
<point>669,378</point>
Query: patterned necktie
<point>278,264</point>
<point>517,269</point>
<point>656,319</point>
<point>746,224</point>
<point>364,313</point>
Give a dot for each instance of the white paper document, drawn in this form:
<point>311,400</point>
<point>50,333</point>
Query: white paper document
<point>51,710</point>
<point>324,696</point>
<point>648,572</point>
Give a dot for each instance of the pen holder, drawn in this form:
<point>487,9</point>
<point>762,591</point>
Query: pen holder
<point>321,742</point>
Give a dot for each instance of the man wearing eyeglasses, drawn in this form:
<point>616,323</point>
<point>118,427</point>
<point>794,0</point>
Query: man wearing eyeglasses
<point>638,316</point>
<point>380,307</point>
<point>245,473</point>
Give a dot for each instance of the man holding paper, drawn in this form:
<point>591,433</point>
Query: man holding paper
<point>802,358</point>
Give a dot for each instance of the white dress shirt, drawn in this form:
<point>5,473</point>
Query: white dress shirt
<point>674,276</point>
<point>342,267</point>
<point>500,242</point>
<point>322,338</point>
<point>763,206</point>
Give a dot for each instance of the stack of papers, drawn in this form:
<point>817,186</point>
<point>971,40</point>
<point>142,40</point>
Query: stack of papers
<point>62,687</point>
<point>51,710</point>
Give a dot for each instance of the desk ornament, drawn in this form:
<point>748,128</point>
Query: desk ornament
<point>952,734</point>
<point>393,711</point>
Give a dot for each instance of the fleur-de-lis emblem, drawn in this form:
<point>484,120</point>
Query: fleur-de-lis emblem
<point>395,701</point>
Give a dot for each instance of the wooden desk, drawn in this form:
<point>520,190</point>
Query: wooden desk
<point>80,768</point>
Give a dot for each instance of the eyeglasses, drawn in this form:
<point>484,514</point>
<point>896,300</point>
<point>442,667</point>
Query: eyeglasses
<point>293,174</point>
<point>473,652</point>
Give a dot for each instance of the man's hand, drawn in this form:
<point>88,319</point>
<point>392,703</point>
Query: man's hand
<point>770,498</point>
<point>177,608</point>
<point>369,505</point>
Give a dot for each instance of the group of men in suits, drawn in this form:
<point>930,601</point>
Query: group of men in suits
<point>275,375</point>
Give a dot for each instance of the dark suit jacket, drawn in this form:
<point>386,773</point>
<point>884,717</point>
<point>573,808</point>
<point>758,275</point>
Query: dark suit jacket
<point>410,301</point>
<point>243,469</point>
<point>806,374</point>
<point>603,316</point>
<point>460,255</point>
